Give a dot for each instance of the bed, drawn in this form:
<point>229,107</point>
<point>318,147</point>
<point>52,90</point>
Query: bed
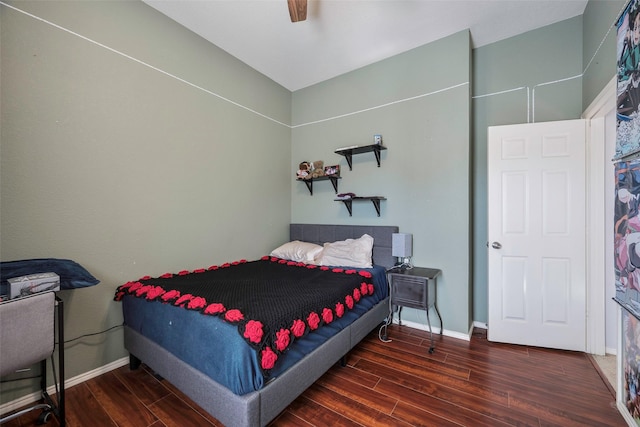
<point>189,348</point>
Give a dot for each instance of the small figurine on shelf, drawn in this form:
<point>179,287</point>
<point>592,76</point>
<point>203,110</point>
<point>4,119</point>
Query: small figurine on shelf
<point>317,169</point>
<point>304,171</point>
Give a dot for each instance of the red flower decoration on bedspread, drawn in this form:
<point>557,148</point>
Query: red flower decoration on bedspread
<point>339,309</point>
<point>313,320</point>
<point>253,331</point>
<point>170,296</point>
<point>124,289</point>
<point>215,308</point>
<point>154,292</point>
<point>269,358</point>
<point>364,289</point>
<point>143,290</point>
<point>327,315</point>
<point>366,274</point>
<point>183,300</point>
<point>283,338</point>
<point>349,301</point>
<point>166,276</point>
<point>197,303</point>
<point>298,328</point>
<point>134,286</point>
<point>234,315</point>
<point>356,294</point>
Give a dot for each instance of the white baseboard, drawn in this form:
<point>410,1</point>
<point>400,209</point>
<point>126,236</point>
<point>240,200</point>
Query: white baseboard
<point>435,330</point>
<point>34,397</point>
<point>480,325</point>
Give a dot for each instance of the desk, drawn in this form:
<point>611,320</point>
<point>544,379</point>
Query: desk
<point>415,288</point>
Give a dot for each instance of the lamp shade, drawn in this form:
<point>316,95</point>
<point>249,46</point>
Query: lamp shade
<point>401,244</point>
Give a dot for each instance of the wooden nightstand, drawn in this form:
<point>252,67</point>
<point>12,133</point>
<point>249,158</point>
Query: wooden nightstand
<point>415,288</point>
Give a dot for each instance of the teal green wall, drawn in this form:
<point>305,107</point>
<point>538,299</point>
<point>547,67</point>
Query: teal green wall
<point>599,46</point>
<point>552,73</point>
<point>127,169</point>
<point>419,102</point>
<point>510,86</point>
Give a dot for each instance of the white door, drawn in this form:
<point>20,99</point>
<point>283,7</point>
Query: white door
<point>536,234</point>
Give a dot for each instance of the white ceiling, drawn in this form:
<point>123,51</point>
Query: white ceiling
<point>343,35</point>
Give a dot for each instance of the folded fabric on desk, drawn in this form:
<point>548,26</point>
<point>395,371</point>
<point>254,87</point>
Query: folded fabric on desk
<point>72,275</point>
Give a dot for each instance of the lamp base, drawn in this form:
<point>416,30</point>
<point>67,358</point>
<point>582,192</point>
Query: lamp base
<point>404,263</point>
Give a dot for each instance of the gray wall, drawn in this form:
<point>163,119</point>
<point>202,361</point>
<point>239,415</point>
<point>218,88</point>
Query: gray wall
<point>127,169</point>
<point>420,102</point>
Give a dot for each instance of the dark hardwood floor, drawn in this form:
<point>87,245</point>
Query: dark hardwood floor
<point>476,383</point>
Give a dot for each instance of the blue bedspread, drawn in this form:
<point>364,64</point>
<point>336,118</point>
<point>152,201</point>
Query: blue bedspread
<point>214,346</point>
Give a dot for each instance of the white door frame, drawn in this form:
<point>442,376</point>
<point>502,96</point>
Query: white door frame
<point>596,224</point>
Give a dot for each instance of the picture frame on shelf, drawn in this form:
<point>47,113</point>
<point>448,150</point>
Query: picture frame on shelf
<point>333,170</point>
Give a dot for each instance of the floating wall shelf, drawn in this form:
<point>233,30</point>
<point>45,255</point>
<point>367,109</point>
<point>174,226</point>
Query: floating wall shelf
<point>374,199</point>
<point>309,182</point>
<point>348,152</point>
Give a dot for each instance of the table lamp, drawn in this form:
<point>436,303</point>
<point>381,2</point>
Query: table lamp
<point>401,244</point>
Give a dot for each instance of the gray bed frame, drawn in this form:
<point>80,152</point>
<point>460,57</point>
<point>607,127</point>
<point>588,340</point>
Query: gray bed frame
<point>258,408</point>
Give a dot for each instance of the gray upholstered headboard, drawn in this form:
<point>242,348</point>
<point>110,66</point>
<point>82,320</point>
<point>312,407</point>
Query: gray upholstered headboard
<point>322,233</point>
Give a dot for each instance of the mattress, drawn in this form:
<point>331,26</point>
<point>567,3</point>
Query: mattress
<point>214,347</point>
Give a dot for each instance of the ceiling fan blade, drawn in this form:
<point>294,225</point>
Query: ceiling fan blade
<point>297,10</point>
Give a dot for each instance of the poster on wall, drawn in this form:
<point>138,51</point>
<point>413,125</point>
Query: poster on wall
<point>629,396</point>
<point>627,235</point>
<point>628,81</point>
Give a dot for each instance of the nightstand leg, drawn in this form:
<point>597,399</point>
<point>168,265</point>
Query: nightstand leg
<point>439,317</point>
<point>432,348</point>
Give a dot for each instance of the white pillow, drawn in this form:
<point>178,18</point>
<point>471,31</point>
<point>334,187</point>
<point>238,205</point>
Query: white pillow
<point>297,251</point>
<point>348,253</point>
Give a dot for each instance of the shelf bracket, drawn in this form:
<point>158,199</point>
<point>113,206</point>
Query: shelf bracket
<point>349,158</point>
<point>376,151</point>
<point>349,205</point>
<point>334,181</point>
<point>309,183</point>
<point>376,202</point>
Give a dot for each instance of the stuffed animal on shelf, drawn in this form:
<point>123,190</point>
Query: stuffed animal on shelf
<point>317,169</point>
<point>304,171</point>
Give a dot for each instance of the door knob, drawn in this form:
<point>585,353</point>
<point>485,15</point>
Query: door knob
<point>496,245</point>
